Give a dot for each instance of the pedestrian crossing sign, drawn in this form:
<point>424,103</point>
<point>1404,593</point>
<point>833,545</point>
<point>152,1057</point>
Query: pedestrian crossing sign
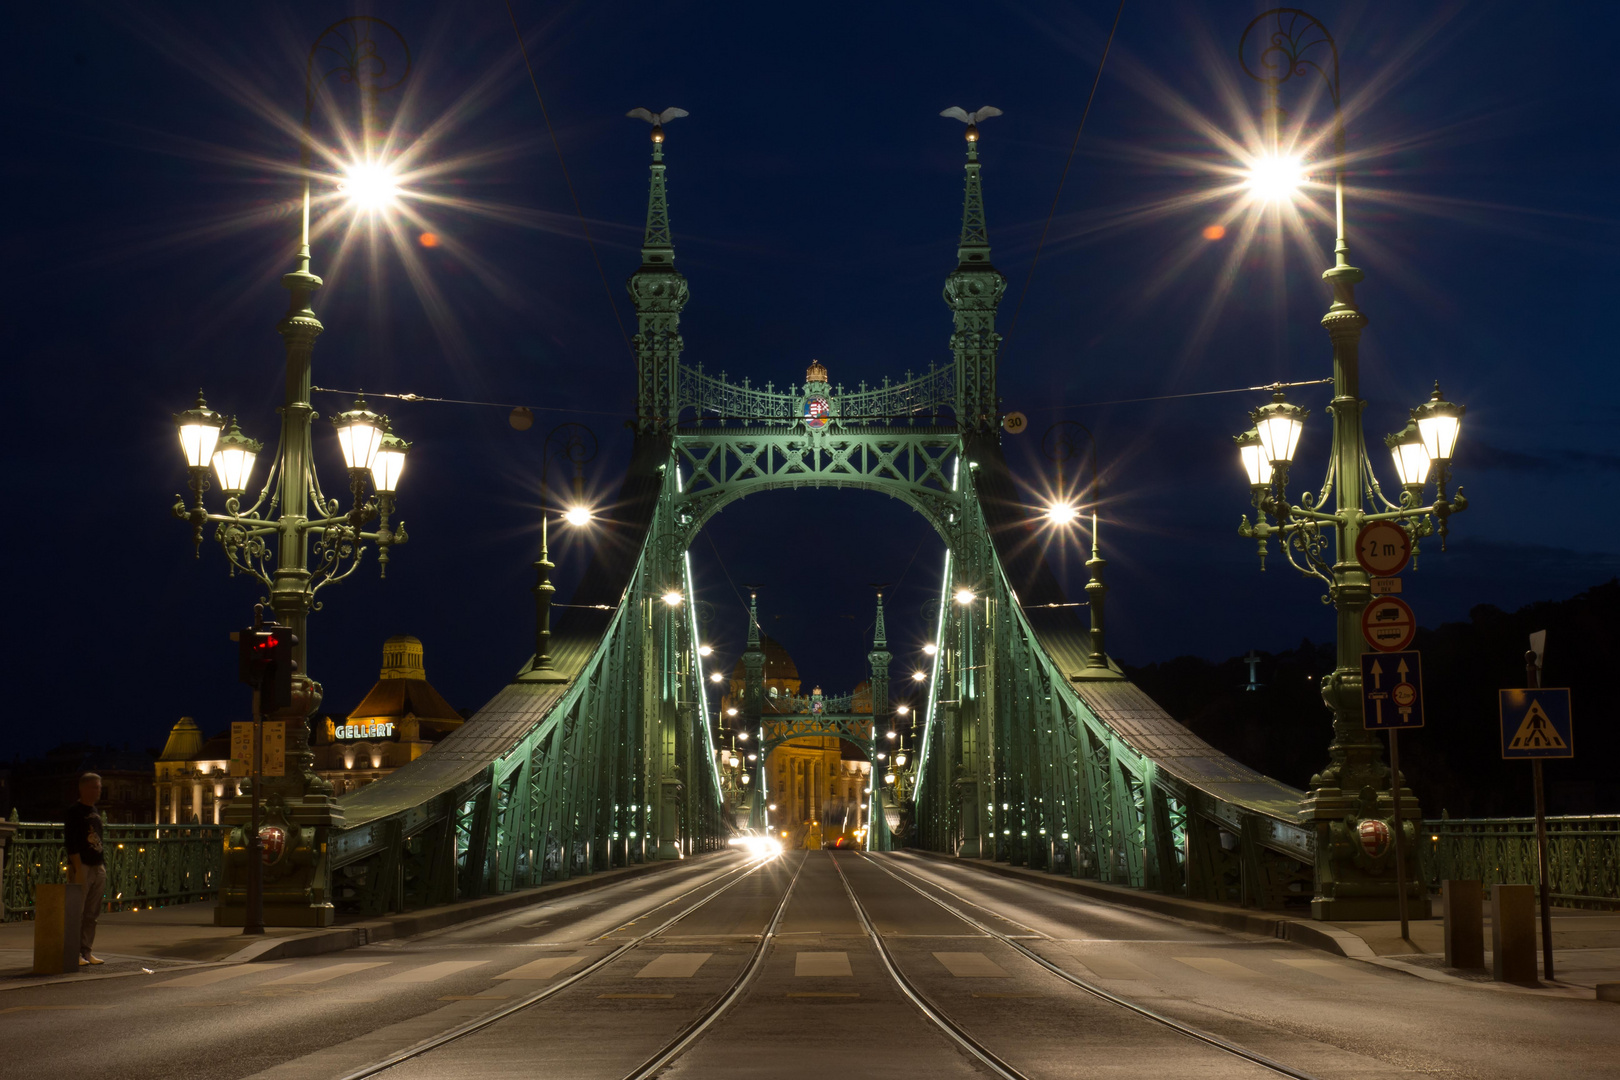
<point>1536,724</point>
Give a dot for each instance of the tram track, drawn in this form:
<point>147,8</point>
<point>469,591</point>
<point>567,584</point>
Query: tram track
<point>1197,1034</point>
<point>675,1047</point>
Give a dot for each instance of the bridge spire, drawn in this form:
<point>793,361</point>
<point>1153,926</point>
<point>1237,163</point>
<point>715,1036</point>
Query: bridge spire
<point>753,664</point>
<point>659,293</point>
<point>879,658</point>
<point>974,291</point>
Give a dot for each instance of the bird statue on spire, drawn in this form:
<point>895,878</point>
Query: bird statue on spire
<point>658,120</point>
<point>971,119</point>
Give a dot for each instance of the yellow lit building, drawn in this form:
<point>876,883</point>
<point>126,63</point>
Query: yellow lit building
<point>394,725</point>
<point>816,783</point>
<point>193,776</point>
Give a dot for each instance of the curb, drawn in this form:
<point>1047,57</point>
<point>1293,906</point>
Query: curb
<point>1299,931</point>
<point>412,923</point>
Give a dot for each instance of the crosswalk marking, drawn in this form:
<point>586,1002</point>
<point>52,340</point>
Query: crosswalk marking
<point>822,964</point>
<point>430,972</point>
<point>1112,967</point>
<point>327,973</point>
<point>215,975</point>
<point>674,965</point>
<point>1339,972</point>
<point>1214,965</point>
<point>547,967</point>
<point>970,965</point>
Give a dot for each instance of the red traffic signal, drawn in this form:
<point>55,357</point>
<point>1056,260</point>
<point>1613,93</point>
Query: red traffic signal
<point>265,662</point>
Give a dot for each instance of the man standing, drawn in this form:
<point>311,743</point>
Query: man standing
<point>87,863</point>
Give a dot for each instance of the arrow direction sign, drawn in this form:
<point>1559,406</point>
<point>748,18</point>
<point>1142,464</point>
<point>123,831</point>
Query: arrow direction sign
<point>1391,690</point>
<point>1536,724</point>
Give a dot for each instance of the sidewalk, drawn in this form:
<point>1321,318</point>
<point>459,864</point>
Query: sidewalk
<point>1586,944</point>
<point>185,934</point>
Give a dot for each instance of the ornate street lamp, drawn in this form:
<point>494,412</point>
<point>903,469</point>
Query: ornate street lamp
<point>292,538</point>
<point>1355,787</point>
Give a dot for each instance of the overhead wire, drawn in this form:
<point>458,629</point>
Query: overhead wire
<point>568,180</point>
<point>1062,178</point>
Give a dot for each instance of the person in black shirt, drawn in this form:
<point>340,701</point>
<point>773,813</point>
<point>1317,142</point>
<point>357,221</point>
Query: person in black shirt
<point>87,863</point>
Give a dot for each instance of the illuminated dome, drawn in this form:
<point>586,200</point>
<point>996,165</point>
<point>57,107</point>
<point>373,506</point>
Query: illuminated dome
<point>817,372</point>
<point>781,672</point>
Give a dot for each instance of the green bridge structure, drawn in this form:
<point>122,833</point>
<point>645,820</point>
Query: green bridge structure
<point>1035,748</point>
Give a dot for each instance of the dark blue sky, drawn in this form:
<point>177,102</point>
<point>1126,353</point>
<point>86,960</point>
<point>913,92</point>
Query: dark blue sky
<point>816,198</point>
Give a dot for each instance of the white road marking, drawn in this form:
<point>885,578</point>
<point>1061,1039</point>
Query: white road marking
<point>970,965</point>
<point>547,967</point>
<point>674,965</point>
<point>1214,965</point>
<point>327,973</point>
<point>822,964</point>
<point>431,972</point>
<point>1340,972</point>
<point>215,975</point>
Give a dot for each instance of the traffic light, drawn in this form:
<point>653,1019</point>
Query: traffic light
<point>265,662</point>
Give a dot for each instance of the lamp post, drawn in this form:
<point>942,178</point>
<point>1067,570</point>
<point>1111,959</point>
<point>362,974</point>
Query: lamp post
<point>577,443</point>
<point>312,541</point>
<point>1353,880</point>
<point>1058,444</point>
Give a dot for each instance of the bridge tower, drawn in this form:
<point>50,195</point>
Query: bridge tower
<point>880,658</point>
<point>974,291</point>
<point>753,706</point>
<point>659,292</point>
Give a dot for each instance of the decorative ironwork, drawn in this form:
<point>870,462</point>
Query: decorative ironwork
<point>1583,855</point>
<point>1286,43</point>
<point>929,397</point>
<point>354,50</point>
<point>147,865</point>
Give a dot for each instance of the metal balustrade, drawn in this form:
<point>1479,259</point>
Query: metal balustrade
<point>148,865</point>
<point>1583,853</point>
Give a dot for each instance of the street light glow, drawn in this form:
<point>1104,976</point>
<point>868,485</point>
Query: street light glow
<point>930,649</point>
<point>716,677</point>
<point>369,186</point>
<point>1275,177</point>
<point>902,709</point>
<point>1061,513</point>
<point>965,596</point>
<point>673,598</point>
<point>578,515</point>
<point>917,676</point>
<point>705,650</point>
<point>733,712</point>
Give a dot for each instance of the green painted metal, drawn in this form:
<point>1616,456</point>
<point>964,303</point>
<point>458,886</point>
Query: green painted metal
<point>1583,855</point>
<point>147,865</point>
<point>1035,748</point>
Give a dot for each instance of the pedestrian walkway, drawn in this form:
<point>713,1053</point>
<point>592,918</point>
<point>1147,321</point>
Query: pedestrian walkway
<point>184,934</point>
<point>1586,943</point>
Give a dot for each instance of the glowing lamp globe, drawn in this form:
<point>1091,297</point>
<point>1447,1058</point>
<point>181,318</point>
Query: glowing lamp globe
<point>1061,513</point>
<point>578,516</point>
<point>1274,177</point>
<point>1411,456</point>
<point>234,455</point>
<point>369,186</point>
<point>1279,425</point>
<point>672,598</point>
<point>1253,457</point>
<point>1439,423</point>
<point>199,429</point>
<point>388,464</point>
<point>359,432</point>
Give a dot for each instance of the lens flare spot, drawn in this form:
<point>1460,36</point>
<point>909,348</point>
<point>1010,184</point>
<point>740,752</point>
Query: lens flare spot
<point>428,239</point>
<point>1214,232</point>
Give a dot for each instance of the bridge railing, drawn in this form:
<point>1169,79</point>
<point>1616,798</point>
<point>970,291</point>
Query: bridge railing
<point>147,865</point>
<point>917,397</point>
<point>1583,853</point>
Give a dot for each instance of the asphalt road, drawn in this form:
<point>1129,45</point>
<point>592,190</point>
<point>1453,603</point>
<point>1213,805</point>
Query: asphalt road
<point>821,1002</point>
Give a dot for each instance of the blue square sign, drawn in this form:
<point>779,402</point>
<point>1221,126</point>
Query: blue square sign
<point>1391,690</point>
<point>1536,724</point>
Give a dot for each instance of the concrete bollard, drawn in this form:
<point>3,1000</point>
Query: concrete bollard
<point>1464,905</point>
<point>58,912</point>
<point>1513,934</point>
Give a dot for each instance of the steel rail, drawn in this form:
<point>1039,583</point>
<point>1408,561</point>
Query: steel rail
<point>1195,1033</point>
<point>967,1042</point>
<point>737,875</point>
<point>694,1031</point>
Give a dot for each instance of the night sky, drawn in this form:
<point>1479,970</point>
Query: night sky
<point>816,199</point>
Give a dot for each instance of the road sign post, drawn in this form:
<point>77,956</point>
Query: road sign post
<point>1388,624</point>
<point>1392,699</point>
<point>1538,723</point>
